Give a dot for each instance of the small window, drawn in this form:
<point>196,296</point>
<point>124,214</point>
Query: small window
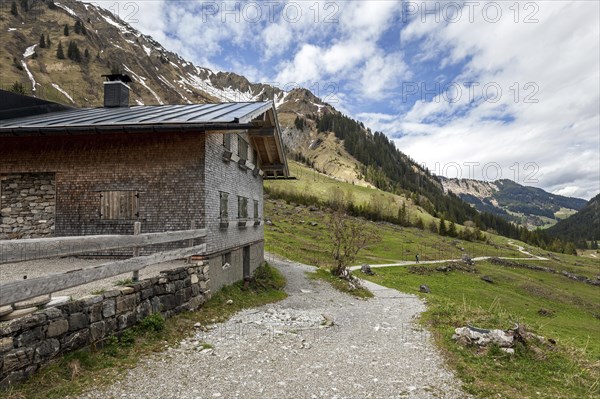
<point>119,205</point>
<point>242,148</point>
<point>226,259</point>
<point>256,210</point>
<point>242,208</point>
<point>227,140</point>
<point>254,157</point>
<point>224,204</point>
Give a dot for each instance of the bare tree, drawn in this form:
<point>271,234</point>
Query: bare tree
<point>348,237</point>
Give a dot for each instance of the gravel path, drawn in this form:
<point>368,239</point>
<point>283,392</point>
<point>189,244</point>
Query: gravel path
<point>287,350</point>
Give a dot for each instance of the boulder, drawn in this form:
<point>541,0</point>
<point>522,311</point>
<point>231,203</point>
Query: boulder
<point>366,269</point>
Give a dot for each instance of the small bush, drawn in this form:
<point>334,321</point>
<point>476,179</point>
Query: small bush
<point>267,278</point>
<point>154,323</point>
<point>127,339</point>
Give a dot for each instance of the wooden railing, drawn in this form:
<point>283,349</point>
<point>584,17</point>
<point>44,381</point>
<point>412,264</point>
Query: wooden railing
<point>40,248</point>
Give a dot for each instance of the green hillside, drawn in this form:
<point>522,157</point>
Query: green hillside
<point>299,233</point>
<point>545,301</point>
<point>582,226</point>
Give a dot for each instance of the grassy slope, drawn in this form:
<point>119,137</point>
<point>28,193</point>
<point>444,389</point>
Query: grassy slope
<point>293,236</point>
<point>517,295</point>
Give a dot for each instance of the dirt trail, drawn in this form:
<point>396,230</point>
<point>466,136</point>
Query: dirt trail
<point>479,258</point>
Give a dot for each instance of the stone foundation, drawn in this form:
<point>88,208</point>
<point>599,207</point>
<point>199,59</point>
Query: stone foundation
<point>27,205</point>
<point>30,342</point>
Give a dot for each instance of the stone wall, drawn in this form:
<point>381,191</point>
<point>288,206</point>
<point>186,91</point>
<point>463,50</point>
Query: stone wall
<point>30,342</point>
<point>27,205</point>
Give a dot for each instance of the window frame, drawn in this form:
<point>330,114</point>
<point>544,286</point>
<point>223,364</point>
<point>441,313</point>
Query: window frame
<point>223,211</point>
<point>245,145</point>
<point>256,210</point>
<point>226,258</point>
<point>242,205</point>
<point>227,141</point>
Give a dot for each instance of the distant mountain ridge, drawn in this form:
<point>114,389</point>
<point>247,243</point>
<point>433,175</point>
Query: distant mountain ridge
<point>582,226</point>
<point>525,205</point>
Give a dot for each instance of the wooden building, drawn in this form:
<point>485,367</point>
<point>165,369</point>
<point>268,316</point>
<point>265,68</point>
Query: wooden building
<point>72,172</point>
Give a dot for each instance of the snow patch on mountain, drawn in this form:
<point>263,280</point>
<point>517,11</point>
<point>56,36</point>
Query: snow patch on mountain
<point>142,81</point>
<point>57,87</point>
<point>29,51</point>
<point>31,78</point>
<point>67,9</point>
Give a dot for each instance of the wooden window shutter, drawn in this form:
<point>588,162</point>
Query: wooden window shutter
<point>119,205</point>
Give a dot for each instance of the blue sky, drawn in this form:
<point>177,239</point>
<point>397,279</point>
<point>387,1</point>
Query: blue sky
<point>476,90</point>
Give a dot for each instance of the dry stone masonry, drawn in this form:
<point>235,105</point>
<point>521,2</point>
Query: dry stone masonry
<point>27,343</point>
<point>27,205</point>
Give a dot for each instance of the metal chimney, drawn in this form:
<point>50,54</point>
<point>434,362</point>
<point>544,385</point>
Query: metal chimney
<point>116,91</point>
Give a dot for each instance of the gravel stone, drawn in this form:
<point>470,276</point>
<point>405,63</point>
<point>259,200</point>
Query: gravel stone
<point>317,343</point>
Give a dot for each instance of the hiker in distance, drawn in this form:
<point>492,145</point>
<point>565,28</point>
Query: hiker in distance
<point>417,257</point>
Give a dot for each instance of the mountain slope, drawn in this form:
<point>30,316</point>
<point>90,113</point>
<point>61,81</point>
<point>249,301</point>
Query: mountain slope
<point>105,43</point>
<point>522,204</point>
<point>582,226</point>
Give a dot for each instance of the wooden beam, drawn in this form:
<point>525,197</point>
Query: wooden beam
<point>270,117</point>
<point>267,150</point>
<point>24,289</point>
<point>273,168</point>
<point>266,132</point>
<point>40,248</point>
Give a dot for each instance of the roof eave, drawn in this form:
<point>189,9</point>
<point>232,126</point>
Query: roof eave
<point>108,129</point>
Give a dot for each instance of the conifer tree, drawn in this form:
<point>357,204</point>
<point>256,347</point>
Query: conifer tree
<point>59,52</point>
<point>42,41</point>
<point>452,230</point>
<point>18,88</point>
<point>73,52</point>
<point>48,41</point>
<point>442,229</point>
<point>13,9</point>
<point>66,30</point>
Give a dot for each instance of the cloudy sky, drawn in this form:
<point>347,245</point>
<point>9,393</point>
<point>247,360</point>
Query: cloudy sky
<point>473,89</point>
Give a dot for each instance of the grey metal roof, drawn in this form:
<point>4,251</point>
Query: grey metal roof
<point>139,116</point>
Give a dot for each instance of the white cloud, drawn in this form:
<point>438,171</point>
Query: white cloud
<point>381,74</point>
<point>555,61</point>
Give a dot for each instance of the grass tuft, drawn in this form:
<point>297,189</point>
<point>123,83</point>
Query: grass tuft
<point>340,284</point>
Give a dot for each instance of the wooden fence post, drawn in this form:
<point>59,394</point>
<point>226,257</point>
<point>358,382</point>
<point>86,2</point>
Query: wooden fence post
<point>137,230</point>
<point>191,241</point>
